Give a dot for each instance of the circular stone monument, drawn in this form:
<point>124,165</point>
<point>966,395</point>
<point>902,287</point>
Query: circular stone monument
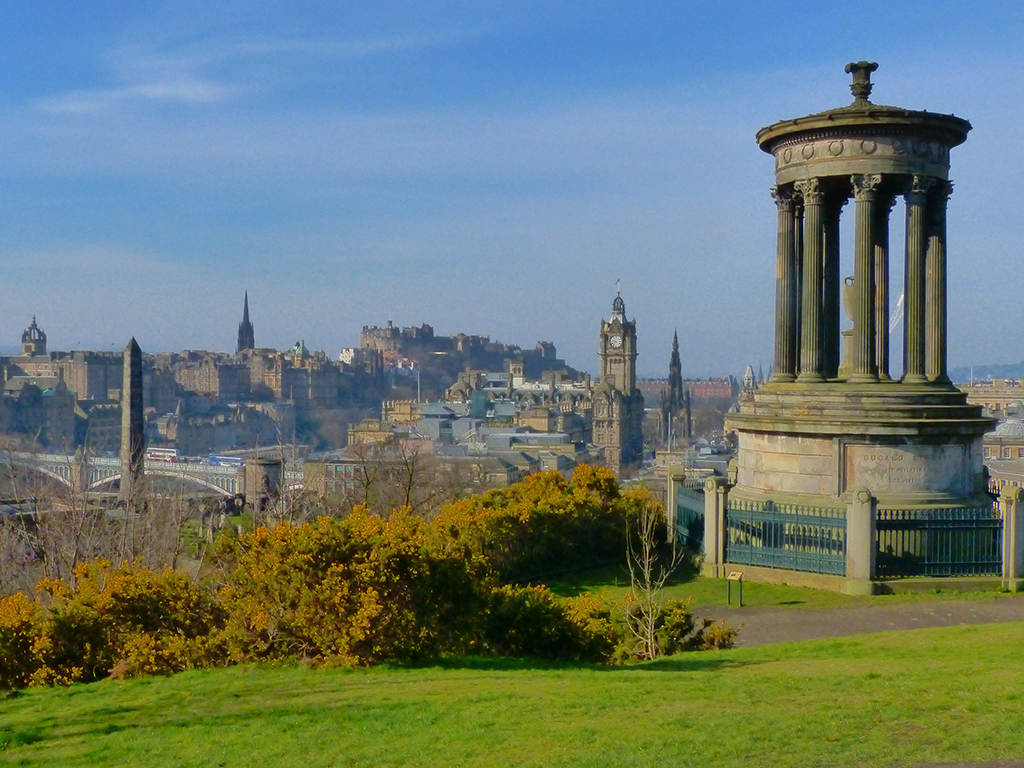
<point>824,427</point>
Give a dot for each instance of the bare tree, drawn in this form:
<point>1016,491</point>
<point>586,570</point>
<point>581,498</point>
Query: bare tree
<point>60,526</point>
<point>650,567</point>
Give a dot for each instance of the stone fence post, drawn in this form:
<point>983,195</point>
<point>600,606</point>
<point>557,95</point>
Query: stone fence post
<point>1011,507</point>
<point>716,495</point>
<point>674,475</point>
<point>861,547</point>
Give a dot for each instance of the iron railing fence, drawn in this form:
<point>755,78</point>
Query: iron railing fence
<point>948,541</point>
<point>790,536</point>
<point>689,521</point>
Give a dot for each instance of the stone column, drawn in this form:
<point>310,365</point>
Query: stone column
<point>811,348</point>
<point>864,367</point>
<point>914,290</point>
<point>1011,507</point>
<point>935,286</point>
<point>133,434</point>
<point>861,547</point>
<point>716,494</point>
<point>830,287</point>
<point>675,475</point>
<point>883,207</point>
<point>786,285</point>
<point>798,239</point>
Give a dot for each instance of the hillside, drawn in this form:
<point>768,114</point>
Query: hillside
<point>909,698</point>
<point>964,373</point>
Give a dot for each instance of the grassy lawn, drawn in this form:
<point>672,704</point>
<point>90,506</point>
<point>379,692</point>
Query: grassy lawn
<point>614,581</point>
<point>894,699</point>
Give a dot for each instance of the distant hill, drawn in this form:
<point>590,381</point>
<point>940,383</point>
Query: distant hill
<point>963,374</point>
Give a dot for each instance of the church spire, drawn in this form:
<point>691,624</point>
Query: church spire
<point>675,377</point>
<point>246,338</point>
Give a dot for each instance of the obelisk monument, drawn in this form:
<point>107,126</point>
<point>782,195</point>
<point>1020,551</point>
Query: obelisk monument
<point>133,436</point>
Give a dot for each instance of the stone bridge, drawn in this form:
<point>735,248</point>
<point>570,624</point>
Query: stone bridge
<point>103,470</point>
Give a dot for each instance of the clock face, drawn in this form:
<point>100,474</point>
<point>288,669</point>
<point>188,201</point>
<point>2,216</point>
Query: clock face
<point>615,341</point>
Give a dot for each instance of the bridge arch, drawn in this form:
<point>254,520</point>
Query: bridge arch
<point>195,480</point>
<point>41,469</point>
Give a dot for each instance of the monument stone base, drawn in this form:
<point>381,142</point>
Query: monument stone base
<point>814,444</point>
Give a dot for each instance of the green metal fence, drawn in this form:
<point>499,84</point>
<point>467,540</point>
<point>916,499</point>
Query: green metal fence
<point>786,536</point>
<point>689,497</point>
<point>939,542</point>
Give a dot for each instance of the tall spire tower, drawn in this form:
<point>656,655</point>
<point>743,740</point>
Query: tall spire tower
<point>133,435</point>
<point>677,399</point>
<point>675,377</point>
<point>246,338</point>
<point>618,404</point>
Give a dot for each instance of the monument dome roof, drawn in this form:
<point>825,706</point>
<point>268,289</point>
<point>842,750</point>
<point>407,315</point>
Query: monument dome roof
<point>865,118</point>
<point>1011,428</point>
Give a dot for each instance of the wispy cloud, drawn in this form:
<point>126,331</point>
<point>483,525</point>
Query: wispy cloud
<point>180,91</point>
<point>180,75</point>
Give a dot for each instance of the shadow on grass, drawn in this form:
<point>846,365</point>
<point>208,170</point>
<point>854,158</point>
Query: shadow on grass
<point>576,583</point>
<point>684,662</point>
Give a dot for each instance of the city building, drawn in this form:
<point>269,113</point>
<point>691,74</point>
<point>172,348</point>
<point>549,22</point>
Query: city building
<point>618,406</point>
<point>997,396</point>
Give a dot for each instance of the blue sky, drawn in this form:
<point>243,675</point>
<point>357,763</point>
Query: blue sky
<point>485,167</point>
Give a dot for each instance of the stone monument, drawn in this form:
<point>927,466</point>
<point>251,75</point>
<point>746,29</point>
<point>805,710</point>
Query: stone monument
<point>823,429</point>
<point>133,444</point>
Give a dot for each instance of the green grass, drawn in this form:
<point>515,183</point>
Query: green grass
<point>687,584</point>
<point>906,698</point>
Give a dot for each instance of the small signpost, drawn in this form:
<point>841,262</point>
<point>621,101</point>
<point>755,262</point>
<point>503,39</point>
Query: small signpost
<point>736,576</point>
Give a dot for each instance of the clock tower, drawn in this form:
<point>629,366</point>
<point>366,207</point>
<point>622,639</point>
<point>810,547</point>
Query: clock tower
<point>618,404</point>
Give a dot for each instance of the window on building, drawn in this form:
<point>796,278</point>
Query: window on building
<point>988,452</point>
<point>1020,453</point>
<point>1006,453</point>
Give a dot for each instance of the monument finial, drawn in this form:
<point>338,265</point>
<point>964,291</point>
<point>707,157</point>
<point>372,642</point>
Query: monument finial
<point>861,85</point>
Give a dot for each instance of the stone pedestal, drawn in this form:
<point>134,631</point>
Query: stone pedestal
<point>860,447</point>
<point>1011,506</point>
<point>715,497</point>
<point>860,543</point>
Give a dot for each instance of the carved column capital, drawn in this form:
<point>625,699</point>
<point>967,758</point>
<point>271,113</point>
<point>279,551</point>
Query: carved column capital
<point>919,185</point>
<point>810,190</point>
<point>784,198</point>
<point>865,186</point>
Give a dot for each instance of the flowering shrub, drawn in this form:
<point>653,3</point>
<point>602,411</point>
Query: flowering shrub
<point>357,591</point>
<point>21,623</point>
<point>363,589</point>
<point>127,620</point>
<point>543,524</point>
<point>531,621</point>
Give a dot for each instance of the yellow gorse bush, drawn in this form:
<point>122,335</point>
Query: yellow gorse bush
<point>361,590</point>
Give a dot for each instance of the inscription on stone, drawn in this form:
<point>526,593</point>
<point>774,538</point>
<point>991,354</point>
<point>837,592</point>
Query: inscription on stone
<point>906,470</point>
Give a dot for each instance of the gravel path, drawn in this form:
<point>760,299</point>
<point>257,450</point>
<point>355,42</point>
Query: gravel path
<point>761,626</point>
